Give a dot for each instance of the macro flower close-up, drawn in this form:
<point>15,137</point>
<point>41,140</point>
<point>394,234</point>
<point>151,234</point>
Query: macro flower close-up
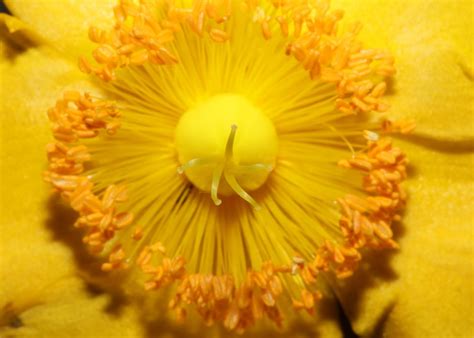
<point>254,168</point>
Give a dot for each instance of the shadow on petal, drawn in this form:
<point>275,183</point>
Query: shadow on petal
<point>376,269</point>
<point>441,145</point>
<point>61,224</point>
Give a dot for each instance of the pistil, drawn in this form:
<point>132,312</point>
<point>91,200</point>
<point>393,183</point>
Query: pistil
<point>227,167</point>
<point>234,165</point>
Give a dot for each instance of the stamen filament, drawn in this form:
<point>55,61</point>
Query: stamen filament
<point>349,145</point>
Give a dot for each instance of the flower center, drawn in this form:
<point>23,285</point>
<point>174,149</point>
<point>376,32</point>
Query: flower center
<point>226,146</point>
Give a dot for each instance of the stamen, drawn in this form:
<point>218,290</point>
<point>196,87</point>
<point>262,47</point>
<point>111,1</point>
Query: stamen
<point>371,136</point>
<point>298,260</point>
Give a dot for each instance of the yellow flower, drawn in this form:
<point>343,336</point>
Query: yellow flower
<point>424,290</point>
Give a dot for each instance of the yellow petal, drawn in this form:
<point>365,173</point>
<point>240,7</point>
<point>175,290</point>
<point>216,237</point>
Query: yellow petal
<point>68,309</point>
<point>31,257</point>
<point>432,43</point>
<point>30,84</point>
<point>39,294</point>
<point>40,297</point>
<point>65,23</point>
<point>425,289</point>
<point>27,87</point>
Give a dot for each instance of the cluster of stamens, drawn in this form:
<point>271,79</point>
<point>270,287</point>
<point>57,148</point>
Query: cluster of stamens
<point>74,117</point>
<point>139,37</point>
<point>220,298</point>
<point>366,221</point>
<point>311,29</point>
<point>77,116</point>
<point>327,54</point>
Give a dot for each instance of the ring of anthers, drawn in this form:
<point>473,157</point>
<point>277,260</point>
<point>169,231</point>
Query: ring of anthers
<point>311,29</point>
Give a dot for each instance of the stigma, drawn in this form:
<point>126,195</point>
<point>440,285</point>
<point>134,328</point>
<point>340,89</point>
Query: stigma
<point>219,160</point>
